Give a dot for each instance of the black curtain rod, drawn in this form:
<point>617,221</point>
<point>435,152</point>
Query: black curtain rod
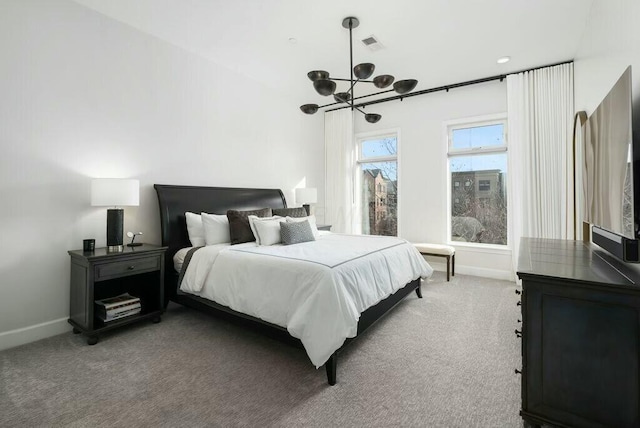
<point>500,77</point>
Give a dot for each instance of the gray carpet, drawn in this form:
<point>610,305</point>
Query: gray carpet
<point>445,360</point>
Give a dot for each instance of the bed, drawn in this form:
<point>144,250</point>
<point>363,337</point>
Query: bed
<point>174,201</point>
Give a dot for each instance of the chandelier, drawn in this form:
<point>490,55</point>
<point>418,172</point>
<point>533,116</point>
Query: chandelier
<point>326,85</point>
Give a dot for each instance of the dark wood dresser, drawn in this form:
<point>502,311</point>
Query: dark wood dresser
<point>580,335</point>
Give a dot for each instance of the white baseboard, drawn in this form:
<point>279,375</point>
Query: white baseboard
<point>21,336</point>
<point>476,271</point>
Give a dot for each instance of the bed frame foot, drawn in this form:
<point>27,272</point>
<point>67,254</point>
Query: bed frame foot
<point>331,366</point>
<point>419,292</point>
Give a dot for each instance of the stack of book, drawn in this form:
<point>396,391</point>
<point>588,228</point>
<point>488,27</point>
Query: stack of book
<point>115,308</point>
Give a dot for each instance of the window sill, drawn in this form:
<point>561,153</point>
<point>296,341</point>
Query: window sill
<point>481,248</point>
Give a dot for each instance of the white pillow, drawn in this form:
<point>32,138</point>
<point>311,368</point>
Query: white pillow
<point>265,229</point>
<point>216,228</point>
<point>195,229</point>
<point>312,223</point>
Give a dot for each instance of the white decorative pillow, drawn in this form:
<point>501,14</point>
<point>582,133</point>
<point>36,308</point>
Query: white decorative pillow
<point>216,228</point>
<point>312,223</point>
<point>265,229</point>
<point>195,229</point>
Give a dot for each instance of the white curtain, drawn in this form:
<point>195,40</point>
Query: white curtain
<point>540,119</point>
<point>340,162</point>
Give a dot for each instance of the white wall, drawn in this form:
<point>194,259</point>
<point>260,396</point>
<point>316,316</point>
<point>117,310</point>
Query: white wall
<point>610,43</point>
<point>85,96</point>
<point>423,208</point>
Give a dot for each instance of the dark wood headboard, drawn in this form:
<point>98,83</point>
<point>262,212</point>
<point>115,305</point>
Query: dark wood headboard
<point>174,201</point>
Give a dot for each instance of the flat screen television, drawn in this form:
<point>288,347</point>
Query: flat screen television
<point>611,173</point>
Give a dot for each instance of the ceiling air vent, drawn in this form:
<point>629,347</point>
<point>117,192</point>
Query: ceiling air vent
<point>372,43</point>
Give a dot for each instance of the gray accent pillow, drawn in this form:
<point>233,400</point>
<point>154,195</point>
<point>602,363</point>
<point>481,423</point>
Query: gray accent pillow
<point>290,212</point>
<point>239,228</point>
<point>296,232</point>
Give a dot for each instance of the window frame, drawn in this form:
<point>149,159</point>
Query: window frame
<point>375,135</point>
<point>465,123</point>
<point>476,123</point>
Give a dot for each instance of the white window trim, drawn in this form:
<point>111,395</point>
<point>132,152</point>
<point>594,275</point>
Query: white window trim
<point>448,127</point>
<point>476,151</point>
<point>389,132</point>
<point>482,248</point>
<point>377,159</point>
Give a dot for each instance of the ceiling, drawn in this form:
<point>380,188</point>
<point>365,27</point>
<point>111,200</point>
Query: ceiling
<point>438,42</point>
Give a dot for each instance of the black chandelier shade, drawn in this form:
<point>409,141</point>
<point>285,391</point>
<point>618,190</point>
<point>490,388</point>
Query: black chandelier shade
<point>404,86</point>
<point>342,97</point>
<point>364,70</point>
<point>383,81</point>
<point>309,108</point>
<point>372,117</point>
<point>326,85</point>
<point>317,75</point>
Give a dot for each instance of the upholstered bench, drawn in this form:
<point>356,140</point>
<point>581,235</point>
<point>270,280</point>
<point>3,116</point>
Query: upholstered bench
<point>440,251</point>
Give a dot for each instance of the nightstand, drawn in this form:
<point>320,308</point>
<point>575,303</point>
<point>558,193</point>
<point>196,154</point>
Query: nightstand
<point>100,274</point>
<point>323,226</point>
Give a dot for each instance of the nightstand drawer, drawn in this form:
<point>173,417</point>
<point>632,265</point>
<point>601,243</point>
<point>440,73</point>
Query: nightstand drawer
<point>127,267</point>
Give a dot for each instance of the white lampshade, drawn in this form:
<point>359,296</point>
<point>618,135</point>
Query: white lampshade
<point>115,192</point>
<point>307,195</point>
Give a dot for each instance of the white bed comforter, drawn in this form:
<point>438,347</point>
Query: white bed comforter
<point>316,290</point>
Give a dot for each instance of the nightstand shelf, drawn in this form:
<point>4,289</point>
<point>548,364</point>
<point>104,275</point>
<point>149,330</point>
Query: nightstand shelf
<point>138,271</point>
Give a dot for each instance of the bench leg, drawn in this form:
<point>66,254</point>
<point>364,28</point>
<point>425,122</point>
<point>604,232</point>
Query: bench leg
<point>448,266</point>
<point>453,265</point>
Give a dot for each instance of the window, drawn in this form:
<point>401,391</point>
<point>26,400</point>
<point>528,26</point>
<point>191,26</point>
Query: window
<point>378,178</point>
<point>477,153</point>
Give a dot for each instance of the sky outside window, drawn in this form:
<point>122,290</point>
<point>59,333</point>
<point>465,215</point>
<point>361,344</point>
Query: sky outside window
<point>476,137</point>
<point>379,147</point>
<point>479,163</point>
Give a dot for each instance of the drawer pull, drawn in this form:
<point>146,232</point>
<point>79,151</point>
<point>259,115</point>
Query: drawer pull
<point>518,371</point>
<point>132,267</point>
<point>519,303</point>
<point>519,320</point>
<point>518,333</point>
<point>518,292</point>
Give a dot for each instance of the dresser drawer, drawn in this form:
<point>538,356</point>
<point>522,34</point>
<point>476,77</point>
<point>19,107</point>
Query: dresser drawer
<point>126,267</point>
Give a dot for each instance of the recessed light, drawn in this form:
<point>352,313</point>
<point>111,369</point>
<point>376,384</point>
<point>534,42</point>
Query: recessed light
<point>503,60</point>
<point>293,40</point>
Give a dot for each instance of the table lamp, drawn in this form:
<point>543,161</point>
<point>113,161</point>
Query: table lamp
<point>306,196</point>
<point>115,192</point>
